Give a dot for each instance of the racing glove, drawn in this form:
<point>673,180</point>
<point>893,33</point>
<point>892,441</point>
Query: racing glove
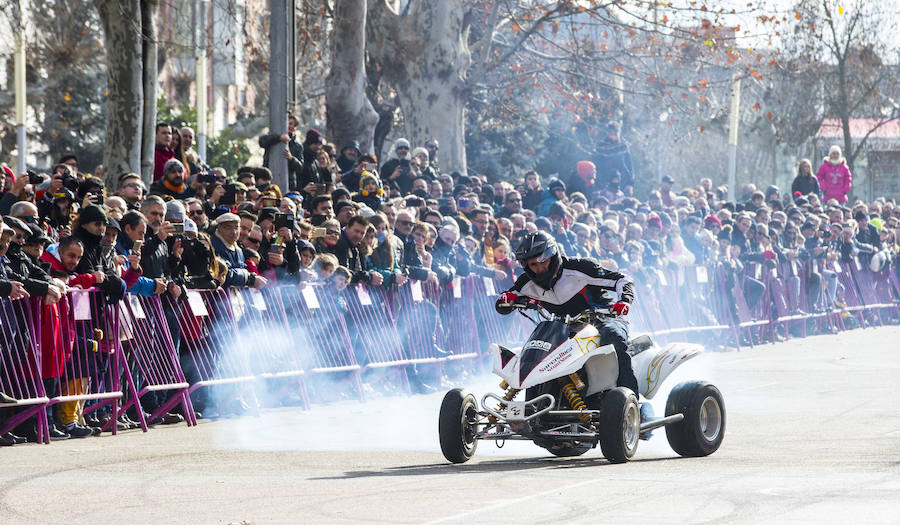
<point>507,299</point>
<point>620,308</point>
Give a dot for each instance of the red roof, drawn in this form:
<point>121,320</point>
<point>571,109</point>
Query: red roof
<point>831,128</point>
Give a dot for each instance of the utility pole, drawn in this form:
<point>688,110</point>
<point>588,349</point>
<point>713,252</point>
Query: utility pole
<point>734,119</point>
<point>20,89</point>
<point>278,88</point>
<point>200,40</point>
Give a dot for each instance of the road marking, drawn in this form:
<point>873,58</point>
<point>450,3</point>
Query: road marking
<point>506,503</point>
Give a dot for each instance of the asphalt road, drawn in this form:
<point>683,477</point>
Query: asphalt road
<point>813,436</point>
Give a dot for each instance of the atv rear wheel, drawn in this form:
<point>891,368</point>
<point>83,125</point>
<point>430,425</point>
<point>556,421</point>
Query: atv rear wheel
<point>620,425</point>
<point>457,425</point>
<point>701,431</point>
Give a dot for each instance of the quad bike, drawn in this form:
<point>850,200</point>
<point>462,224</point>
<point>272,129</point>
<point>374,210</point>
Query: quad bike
<point>571,399</point>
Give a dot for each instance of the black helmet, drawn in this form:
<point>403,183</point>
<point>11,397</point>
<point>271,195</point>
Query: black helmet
<point>542,245</point>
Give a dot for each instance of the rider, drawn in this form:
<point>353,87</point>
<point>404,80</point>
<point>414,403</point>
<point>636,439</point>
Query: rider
<point>566,286</point>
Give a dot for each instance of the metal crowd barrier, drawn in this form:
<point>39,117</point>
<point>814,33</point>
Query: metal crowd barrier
<point>20,367</point>
<point>82,355</point>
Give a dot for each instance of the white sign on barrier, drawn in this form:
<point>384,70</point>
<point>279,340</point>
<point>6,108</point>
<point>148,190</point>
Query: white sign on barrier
<point>309,297</point>
<point>238,306</point>
<point>775,273</point>
<point>837,267</point>
<point>195,301</point>
<point>363,295</point>
<point>702,275</point>
<point>757,272</point>
<point>81,305</point>
<point>136,308</point>
<point>662,278</point>
<point>257,298</point>
<point>489,286</point>
<point>416,289</point>
<point>457,287</point>
<point>858,266</point>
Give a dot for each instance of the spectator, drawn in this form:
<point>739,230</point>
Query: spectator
<point>224,243</point>
<point>613,157</point>
<point>834,176</point>
<point>163,152</point>
<point>350,154</point>
<point>534,195</point>
<point>172,184</point>
<point>396,172</point>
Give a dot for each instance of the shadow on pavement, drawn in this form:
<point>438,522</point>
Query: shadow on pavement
<point>504,465</point>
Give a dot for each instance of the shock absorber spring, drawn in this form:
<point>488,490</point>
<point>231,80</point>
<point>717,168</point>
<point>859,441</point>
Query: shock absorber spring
<point>575,401</point>
<point>509,395</point>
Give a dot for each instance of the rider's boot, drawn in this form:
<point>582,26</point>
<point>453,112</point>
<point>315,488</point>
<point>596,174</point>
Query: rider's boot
<point>646,415</point>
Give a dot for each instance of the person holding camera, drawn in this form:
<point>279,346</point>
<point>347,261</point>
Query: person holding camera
<point>277,248</point>
<point>397,172</point>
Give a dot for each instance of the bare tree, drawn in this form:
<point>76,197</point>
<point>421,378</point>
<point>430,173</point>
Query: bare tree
<point>121,21</point>
<point>350,113</point>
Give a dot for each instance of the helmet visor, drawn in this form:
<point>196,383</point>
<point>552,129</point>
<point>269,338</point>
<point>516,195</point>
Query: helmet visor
<point>548,253</point>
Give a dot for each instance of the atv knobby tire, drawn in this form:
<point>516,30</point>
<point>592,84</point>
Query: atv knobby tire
<point>701,431</point>
<point>457,425</point>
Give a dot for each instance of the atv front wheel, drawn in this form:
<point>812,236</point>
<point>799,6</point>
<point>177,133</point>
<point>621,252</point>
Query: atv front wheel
<point>620,425</point>
<point>457,425</point>
<point>701,431</point>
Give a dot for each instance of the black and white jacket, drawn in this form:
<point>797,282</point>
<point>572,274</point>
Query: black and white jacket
<point>580,285</point>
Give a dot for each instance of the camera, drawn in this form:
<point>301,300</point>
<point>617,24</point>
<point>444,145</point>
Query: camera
<point>270,202</point>
<point>206,178</point>
<point>179,228</point>
<point>414,202</point>
<point>34,178</point>
<point>284,220</point>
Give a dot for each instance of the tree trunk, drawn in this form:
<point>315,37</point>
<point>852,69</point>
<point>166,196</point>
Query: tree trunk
<point>125,101</point>
<point>350,113</point>
<point>150,55</point>
<point>424,55</point>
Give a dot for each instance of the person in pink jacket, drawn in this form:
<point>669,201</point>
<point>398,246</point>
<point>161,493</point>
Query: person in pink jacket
<point>834,176</point>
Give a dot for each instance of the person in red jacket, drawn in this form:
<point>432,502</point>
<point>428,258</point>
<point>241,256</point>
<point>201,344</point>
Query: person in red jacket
<point>163,152</point>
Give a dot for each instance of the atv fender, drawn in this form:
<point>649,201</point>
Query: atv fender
<point>654,365</point>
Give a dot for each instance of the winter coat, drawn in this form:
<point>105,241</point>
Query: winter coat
<point>161,155</point>
<point>613,158</point>
<point>532,199</point>
<point>162,189</point>
<point>834,180</point>
<point>806,184</point>
<point>270,139</point>
<point>142,286</point>
<point>113,286</point>
<point>348,256</point>
<point>237,274</point>
<point>83,280</point>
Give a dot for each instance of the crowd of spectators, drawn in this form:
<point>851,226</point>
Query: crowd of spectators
<point>346,218</point>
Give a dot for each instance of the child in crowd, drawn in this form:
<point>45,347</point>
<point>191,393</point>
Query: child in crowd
<point>325,263</point>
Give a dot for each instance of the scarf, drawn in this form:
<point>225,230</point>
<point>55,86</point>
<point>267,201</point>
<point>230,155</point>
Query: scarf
<point>176,189</point>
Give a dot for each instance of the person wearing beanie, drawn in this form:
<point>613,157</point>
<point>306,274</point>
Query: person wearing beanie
<point>556,192</point>
<point>350,153</point>
<point>426,170</point>
<point>304,174</point>
<point>370,191</point>
<point>173,182</point>
<point>834,176</point>
<point>396,173</point>
<point>584,180</point>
